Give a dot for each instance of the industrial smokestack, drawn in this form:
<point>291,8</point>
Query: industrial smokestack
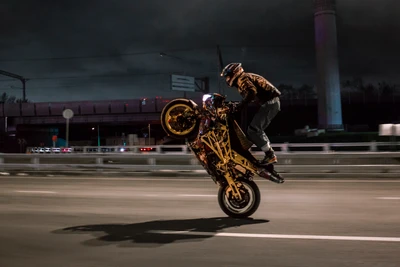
<point>328,81</point>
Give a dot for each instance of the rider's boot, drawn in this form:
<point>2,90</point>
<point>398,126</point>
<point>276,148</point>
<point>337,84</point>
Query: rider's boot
<point>272,175</point>
<point>270,158</point>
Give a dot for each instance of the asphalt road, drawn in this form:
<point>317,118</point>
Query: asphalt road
<point>78,221</point>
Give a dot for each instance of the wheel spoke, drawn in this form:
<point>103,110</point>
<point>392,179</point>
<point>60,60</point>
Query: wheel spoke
<point>172,117</point>
<point>240,206</point>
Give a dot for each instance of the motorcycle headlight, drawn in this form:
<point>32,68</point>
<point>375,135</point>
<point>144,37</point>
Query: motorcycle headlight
<point>213,101</point>
<point>208,102</point>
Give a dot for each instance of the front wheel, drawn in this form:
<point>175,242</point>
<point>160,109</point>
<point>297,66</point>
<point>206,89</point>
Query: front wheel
<point>244,208</point>
<point>178,119</point>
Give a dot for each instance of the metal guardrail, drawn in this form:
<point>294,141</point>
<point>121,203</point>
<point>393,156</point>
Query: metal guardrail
<point>371,162</point>
<point>182,149</point>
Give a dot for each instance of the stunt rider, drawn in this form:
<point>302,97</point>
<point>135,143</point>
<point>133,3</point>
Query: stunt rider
<point>253,87</point>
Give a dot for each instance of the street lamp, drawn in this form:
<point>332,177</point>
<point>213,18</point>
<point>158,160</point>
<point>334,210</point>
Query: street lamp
<point>98,134</point>
<point>149,135</point>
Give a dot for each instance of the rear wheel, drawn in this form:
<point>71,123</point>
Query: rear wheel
<point>178,119</point>
<point>250,202</point>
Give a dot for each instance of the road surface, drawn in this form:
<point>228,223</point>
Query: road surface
<point>83,221</point>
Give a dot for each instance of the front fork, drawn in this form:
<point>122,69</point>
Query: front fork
<point>243,165</point>
<point>232,186</point>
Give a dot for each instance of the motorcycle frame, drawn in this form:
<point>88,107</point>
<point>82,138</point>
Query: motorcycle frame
<point>227,155</point>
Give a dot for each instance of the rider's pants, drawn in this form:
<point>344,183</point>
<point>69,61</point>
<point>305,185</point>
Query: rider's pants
<point>260,122</point>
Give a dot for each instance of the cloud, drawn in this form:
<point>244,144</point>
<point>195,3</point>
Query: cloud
<point>273,38</point>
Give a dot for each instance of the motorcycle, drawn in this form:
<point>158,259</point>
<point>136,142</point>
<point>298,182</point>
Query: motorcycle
<point>215,138</point>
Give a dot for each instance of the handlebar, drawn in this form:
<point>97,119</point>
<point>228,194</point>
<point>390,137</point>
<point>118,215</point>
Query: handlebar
<point>232,106</point>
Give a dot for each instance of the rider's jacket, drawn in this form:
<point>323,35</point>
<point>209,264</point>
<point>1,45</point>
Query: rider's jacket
<point>255,87</point>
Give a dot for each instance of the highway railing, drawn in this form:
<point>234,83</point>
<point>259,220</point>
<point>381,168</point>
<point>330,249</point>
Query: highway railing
<point>182,149</point>
<point>357,162</point>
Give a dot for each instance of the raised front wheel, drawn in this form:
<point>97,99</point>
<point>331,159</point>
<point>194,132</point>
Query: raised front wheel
<point>178,119</point>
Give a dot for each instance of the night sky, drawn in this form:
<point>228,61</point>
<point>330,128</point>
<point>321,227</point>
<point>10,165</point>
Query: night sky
<point>98,49</point>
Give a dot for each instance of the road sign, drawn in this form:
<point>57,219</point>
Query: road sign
<point>68,114</point>
<point>183,83</point>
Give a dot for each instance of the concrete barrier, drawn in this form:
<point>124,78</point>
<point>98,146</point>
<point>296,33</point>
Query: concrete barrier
<point>303,163</point>
<point>182,149</point>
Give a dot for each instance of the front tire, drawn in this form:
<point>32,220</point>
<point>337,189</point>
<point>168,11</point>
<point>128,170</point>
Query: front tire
<point>250,202</point>
<point>176,121</point>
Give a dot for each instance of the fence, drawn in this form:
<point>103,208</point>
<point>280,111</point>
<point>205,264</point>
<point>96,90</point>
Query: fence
<point>182,149</point>
<point>314,163</point>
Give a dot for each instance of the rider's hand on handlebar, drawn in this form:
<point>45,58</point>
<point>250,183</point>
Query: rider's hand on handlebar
<point>231,106</point>
<point>235,107</point>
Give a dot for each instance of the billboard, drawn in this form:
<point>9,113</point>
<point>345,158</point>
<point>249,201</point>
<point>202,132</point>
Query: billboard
<point>183,83</point>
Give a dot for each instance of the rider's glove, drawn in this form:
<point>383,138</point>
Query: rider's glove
<point>237,108</point>
<point>232,107</point>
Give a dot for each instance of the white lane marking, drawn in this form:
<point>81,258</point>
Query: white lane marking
<point>174,196</point>
<point>389,198</point>
<point>187,195</point>
<point>35,192</point>
<point>278,236</point>
<point>202,179</point>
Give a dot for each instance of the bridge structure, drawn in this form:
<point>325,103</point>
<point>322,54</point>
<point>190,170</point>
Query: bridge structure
<point>109,111</point>
<point>34,124</point>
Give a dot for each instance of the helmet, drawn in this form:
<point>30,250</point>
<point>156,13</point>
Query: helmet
<point>231,72</point>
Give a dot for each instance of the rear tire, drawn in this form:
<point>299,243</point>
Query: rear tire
<point>249,204</point>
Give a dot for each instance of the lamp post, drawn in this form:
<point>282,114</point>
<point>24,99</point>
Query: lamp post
<point>98,134</point>
<point>67,114</point>
<point>149,135</point>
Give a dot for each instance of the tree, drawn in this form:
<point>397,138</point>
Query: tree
<point>287,91</point>
<point>306,91</point>
<point>303,92</point>
<point>354,85</point>
<point>368,91</point>
<point>9,99</point>
<point>386,89</point>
